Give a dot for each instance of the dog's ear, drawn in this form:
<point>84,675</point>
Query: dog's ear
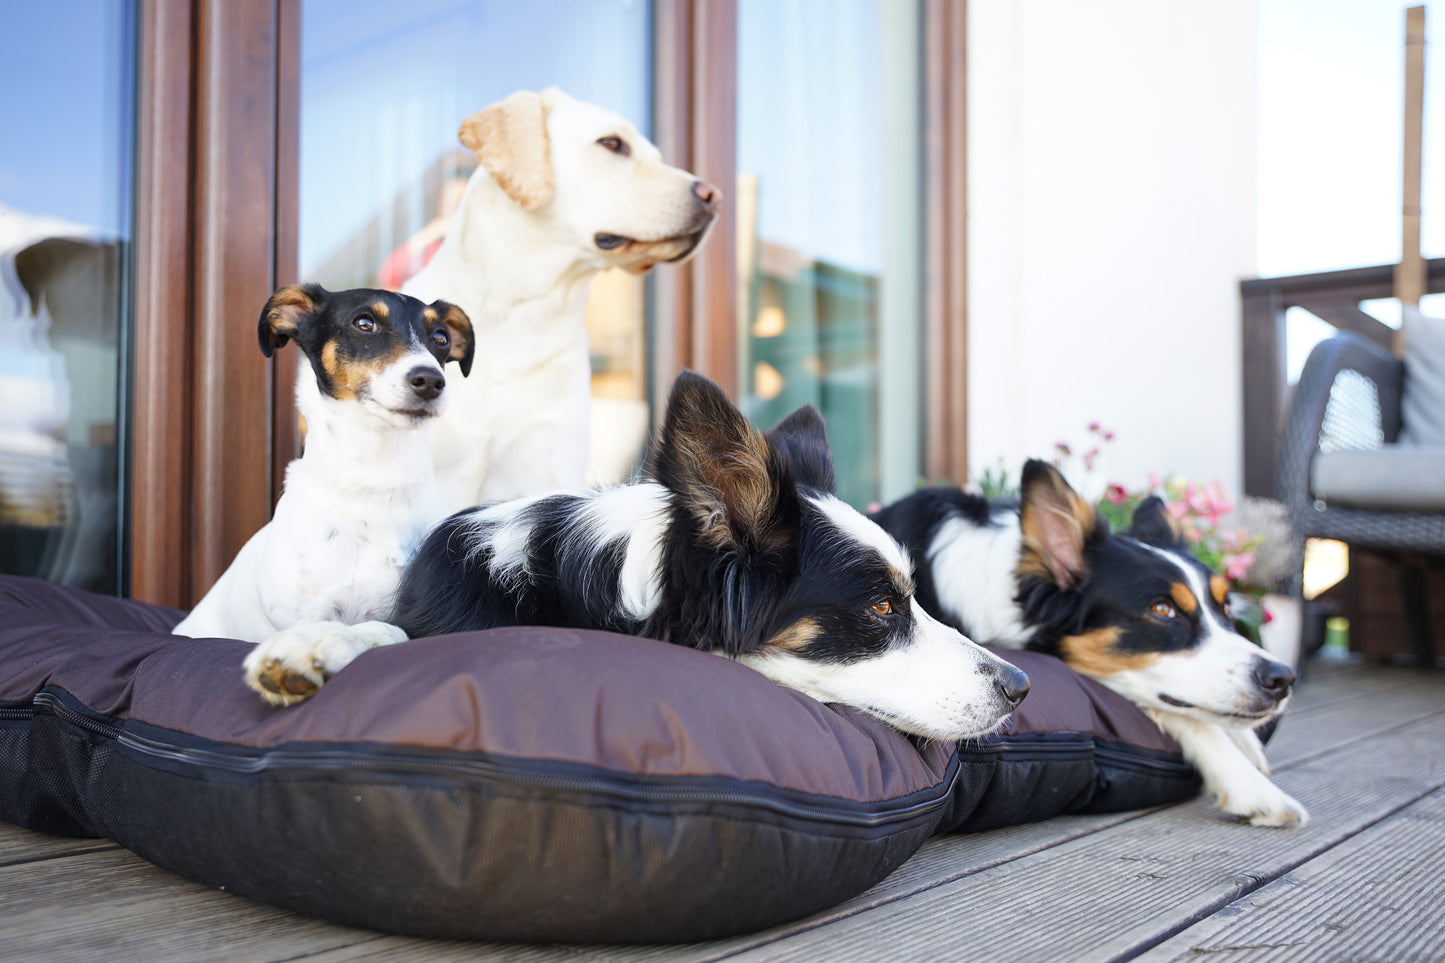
<point>740,494</point>
<point>802,441</point>
<point>464,342</point>
<point>1057,525</point>
<point>285,312</point>
<point>1152,525</point>
<point>510,140</point>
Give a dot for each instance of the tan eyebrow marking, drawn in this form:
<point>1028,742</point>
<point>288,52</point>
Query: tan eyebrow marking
<point>379,309</point>
<point>1219,588</point>
<point>1184,598</point>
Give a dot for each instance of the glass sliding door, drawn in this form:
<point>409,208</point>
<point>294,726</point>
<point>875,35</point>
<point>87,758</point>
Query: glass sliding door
<point>384,88</point>
<point>65,321</point>
<point>829,229</point>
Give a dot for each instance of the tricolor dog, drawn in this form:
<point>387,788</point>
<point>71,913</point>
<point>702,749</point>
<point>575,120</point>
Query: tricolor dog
<point>563,189</point>
<point>310,584</point>
<point>1136,611</point>
<point>736,545</point>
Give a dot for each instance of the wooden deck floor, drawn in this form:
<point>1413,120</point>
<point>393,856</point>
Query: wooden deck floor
<point>1363,749</point>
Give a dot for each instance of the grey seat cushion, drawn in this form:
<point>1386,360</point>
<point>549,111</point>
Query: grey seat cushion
<point>1422,402</point>
<point>1393,477</point>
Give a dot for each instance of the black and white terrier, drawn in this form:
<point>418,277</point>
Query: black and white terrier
<point>310,585</point>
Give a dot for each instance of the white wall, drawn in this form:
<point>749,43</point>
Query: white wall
<point>1112,173</point>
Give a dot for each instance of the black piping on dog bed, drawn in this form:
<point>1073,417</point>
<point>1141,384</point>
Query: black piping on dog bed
<point>519,784</point>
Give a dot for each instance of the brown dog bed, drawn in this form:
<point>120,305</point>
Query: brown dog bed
<point>522,783</point>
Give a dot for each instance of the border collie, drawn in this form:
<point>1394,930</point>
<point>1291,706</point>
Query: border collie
<point>736,545</point>
<point>1136,611</point>
<point>310,584</point>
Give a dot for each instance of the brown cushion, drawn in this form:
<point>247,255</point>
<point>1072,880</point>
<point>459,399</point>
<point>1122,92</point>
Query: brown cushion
<point>520,784</point>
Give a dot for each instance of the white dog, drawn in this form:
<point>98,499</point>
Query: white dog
<point>308,586</point>
<point>564,189</point>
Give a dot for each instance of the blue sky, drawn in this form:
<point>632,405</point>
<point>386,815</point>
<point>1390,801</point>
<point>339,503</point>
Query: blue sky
<point>66,109</point>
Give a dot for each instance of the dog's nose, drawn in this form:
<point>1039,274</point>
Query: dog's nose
<point>1274,678</point>
<point>426,382</point>
<point>707,194</point>
<point>1013,684</point>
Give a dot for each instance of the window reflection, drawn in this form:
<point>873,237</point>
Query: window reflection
<point>65,223</point>
<point>829,226</point>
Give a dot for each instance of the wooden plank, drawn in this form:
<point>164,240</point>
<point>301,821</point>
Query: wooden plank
<point>20,845</point>
<point>1374,897</point>
<point>1113,892</point>
<point>1341,724</point>
<point>1324,682</point>
<point>114,905</point>
<point>397,949</point>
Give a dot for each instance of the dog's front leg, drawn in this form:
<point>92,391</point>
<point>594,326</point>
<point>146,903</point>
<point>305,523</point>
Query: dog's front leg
<point>1231,776</point>
<point>293,663</point>
<point>1249,744</point>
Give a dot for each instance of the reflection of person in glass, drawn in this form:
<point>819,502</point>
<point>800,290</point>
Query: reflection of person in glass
<point>411,255</point>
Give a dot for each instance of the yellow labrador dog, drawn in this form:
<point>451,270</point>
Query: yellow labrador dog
<point>564,189</point>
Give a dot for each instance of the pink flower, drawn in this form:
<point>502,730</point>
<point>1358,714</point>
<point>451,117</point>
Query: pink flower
<point>1193,534</point>
<point>1116,494</point>
<point>1176,510</point>
<point>1093,426</point>
<point>1268,616</point>
<point>1108,436</point>
<point>1236,565</point>
<point>874,507</point>
<point>1063,448</point>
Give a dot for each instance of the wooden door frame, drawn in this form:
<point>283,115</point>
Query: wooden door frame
<point>215,230</point>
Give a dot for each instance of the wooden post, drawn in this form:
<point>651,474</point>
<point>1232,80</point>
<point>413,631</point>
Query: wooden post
<point>1410,274</point>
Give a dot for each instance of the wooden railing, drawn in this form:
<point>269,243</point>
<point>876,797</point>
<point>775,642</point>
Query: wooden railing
<point>1332,296</point>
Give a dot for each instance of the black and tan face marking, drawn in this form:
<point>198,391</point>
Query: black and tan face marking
<point>762,504</point>
<point>352,338</point>
<point>1098,652</point>
<point>1106,603</point>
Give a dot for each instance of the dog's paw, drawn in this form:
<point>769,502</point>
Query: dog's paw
<point>1263,805</point>
<point>294,663</point>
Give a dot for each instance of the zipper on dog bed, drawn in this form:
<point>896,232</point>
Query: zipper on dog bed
<point>342,759</point>
<point>16,713</point>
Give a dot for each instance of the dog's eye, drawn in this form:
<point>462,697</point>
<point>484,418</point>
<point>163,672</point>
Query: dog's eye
<point>1163,609</point>
<point>439,338</point>
<point>884,607</point>
<point>363,323</point>
<point>616,145</point>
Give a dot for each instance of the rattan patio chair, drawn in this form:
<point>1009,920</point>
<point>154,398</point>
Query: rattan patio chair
<point>1348,403</point>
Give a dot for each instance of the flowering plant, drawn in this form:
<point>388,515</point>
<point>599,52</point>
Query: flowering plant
<point>1196,511</point>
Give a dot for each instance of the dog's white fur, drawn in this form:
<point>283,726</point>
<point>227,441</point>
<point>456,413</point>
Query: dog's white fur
<point>311,584</point>
<point>518,259</point>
